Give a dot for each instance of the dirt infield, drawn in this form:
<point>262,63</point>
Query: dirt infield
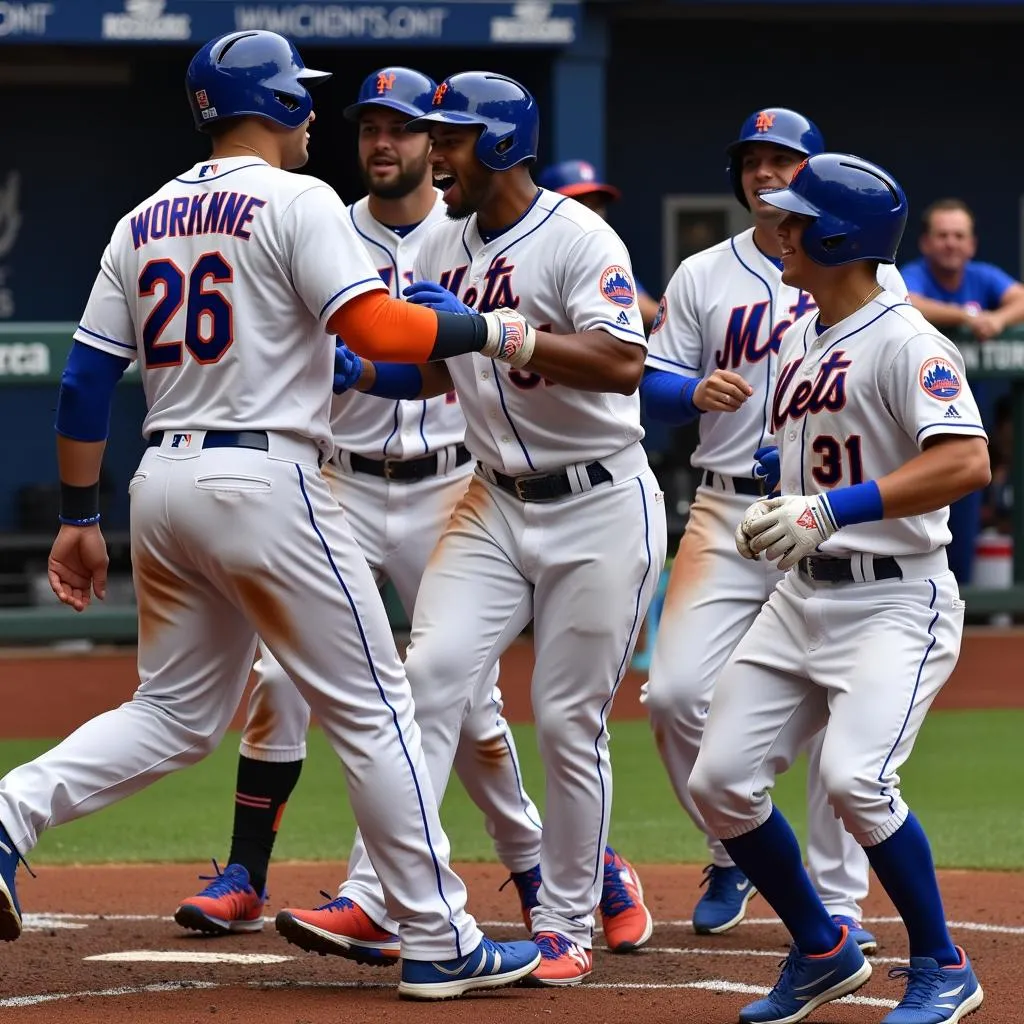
<point>46,976</point>
<point>79,913</point>
<point>47,694</point>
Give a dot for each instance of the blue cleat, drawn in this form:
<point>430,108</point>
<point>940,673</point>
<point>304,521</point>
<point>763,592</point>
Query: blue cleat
<point>724,904</point>
<point>10,911</point>
<point>490,965</point>
<point>806,982</point>
<point>936,995</point>
<point>867,942</point>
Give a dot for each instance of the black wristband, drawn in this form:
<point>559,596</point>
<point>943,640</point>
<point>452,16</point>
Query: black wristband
<point>79,506</point>
<point>458,334</point>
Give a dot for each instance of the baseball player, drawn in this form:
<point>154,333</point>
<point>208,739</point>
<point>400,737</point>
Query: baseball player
<point>877,432</point>
<point>713,354</point>
<point>563,523</point>
<point>579,179</point>
<point>225,285</point>
<point>397,470</point>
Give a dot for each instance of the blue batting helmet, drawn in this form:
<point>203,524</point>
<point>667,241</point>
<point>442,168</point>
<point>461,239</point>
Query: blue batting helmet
<point>250,74</point>
<point>403,89</point>
<point>505,111</point>
<point>859,209</point>
<point>773,124</point>
<point>575,178</point>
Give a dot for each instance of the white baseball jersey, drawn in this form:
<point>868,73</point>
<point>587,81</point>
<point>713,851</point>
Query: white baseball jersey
<point>167,294</point>
<point>858,402</point>
<point>567,271</point>
<point>726,308</point>
<point>373,426</point>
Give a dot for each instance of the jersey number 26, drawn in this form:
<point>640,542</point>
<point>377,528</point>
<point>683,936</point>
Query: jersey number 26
<point>209,327</point>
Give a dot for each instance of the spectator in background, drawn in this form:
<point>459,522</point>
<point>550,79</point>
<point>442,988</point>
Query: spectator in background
<point>950,287</point>
<point>952,290</point>
<point>578,179</point>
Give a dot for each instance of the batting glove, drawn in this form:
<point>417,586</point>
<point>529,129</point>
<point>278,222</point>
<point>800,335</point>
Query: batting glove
<point>509,337</point>
<point>348,367</point>
<point>790,528</point>
<point>435,297</point>
<point>744,531</point>
<point>768,468</point>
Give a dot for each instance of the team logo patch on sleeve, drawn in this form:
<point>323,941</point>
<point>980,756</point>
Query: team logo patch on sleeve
<point>661,316</point>
<point>617,286</point>
<point>940,379</point>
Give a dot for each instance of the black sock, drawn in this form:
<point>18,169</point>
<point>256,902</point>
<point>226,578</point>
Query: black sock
<point>261,794</point>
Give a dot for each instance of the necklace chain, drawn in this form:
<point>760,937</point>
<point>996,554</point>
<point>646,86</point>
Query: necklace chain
<point>870,295</point>
<point>242,145</point>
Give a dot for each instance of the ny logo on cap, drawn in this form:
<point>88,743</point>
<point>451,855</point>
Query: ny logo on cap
<point>439,94</point>
<point>765,121</point>
<point>385,82</point>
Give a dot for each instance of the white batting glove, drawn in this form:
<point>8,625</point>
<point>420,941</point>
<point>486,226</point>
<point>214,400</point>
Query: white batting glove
<point>743,531</point>
<point>790,528</point>
<point>509,337</point>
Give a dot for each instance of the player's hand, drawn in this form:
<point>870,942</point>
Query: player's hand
<point>743,530</point>
<point>768,468</point>
<point>77,566</point>
<point>723,391</point>
<point>986,325</point>
<point>348,367</point>
<point>790,527</point>
<point>509,337</point>
<point>436,297</point>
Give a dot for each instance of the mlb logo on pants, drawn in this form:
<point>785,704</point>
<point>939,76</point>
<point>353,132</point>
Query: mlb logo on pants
<point>181,441</point>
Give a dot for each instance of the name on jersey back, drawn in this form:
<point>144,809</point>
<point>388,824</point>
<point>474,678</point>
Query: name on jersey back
<point>206,213</point>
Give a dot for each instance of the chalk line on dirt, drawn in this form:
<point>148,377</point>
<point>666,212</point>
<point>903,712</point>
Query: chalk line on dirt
<point>711,985</point>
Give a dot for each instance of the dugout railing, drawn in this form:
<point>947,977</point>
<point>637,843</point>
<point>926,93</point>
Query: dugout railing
<point>33,355</point>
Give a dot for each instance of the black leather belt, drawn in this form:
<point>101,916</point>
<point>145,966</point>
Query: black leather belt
<point>549,486</point>
<point>405,469</point>
<point>221,439</point>
<point>840,570</point>
<point>741,484</point>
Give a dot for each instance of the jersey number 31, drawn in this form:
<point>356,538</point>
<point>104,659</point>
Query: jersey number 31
<point>209,327</point>
<point>831,471</point>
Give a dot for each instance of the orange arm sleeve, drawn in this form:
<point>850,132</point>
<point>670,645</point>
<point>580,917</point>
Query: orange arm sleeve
<point>376,326</point>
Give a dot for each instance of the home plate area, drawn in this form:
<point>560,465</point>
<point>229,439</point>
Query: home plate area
<point>100,945</point>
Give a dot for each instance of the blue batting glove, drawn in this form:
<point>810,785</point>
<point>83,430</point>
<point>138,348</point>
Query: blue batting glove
<point>768,468</point>
<point>436,297</point>
<point>348,367</point>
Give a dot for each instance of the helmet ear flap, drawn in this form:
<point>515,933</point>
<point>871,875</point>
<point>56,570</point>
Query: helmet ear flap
<point>290,103</point>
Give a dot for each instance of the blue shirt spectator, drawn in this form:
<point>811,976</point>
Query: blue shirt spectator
<point>949,287</point>
<point>982,286</point>
<point>952,290</point>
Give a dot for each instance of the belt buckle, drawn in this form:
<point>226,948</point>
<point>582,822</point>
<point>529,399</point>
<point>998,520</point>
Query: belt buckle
<point>388,471</point>
<point>519,483</point>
